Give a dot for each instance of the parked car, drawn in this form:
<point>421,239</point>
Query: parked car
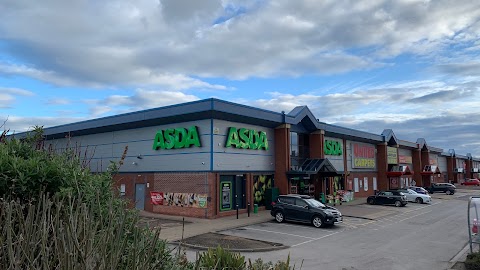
<point>413,196</point>
<point>447,188</point>
<point>388,197</point>
<point>303,208</point>
<point>471,182</point>
<point>420,190</point>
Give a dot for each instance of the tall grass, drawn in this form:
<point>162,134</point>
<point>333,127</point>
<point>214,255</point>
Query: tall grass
<point>68,234</point>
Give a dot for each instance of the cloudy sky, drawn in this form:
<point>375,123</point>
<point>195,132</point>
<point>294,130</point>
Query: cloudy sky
<point>411,66</point>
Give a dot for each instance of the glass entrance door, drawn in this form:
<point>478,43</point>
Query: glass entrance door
<point>240,191</point>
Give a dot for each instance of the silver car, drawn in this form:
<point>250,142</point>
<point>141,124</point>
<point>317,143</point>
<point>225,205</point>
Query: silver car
<point>413,196</point>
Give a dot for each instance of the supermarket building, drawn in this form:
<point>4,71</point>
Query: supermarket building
<point>209,157</point>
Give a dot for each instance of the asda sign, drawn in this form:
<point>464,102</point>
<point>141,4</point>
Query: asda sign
<point>246,139</point>
<point>176,138</point>
<point>333,148</point>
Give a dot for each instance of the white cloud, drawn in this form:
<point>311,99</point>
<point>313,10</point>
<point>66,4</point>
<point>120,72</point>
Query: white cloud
<point>172,43</point>
<point>17,124</point>
<point>141,99</point>
<point>58,101</point>
<point>435,110</point>
<point>8,95</point>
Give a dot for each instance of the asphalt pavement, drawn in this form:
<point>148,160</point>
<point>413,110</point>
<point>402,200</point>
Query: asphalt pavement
<point>178,229</point>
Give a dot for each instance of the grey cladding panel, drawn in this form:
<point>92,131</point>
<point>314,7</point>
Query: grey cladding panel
<point>231,158</point>
<point>148,133</point>
<point>442,164</point>
<point>185,162</point>
<point>239,162</point>
<point>111,145</point>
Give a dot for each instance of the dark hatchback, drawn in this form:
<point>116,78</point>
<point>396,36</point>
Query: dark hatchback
<point>303,208</point>
<point>388,197</point>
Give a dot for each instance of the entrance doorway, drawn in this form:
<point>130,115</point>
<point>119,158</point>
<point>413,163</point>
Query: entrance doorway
<point>140,196</point>
<point>232,192</point>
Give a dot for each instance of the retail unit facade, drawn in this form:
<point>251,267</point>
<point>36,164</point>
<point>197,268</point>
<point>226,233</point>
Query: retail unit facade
<point>211,157</point>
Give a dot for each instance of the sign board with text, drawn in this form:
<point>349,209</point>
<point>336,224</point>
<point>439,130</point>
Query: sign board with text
<point>363,156</point>
<point>392,155</point>
<point>405,159</point>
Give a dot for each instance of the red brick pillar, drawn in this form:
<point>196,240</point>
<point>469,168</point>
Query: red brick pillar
<point>316,144</point>
<point>282,157</point>
<point>468,168</point>
<point>425,158</point>
<point>417,166</point>
<point>382,167</point>
<point>450,168</point>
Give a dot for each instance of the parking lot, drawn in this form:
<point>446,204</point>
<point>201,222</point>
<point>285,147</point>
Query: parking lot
<point>297,234</point>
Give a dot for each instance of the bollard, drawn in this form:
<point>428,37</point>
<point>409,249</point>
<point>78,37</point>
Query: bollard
<point>248,209</point>
<point>237,209</point>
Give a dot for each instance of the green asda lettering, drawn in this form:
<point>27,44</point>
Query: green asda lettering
<point>247,139</point>
<point>176,138</point>
<point>332,148</point>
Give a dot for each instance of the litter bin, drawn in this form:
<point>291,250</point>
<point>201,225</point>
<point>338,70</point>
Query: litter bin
<point>255,208</point>
<point>322,197</point>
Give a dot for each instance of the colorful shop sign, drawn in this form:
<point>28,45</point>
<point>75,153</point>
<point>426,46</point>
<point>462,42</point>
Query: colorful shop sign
<point>392,156</point>
<point>176,138</point>
<point>333,148</point>
<point>405,159</point>
<point>363,156</point>
<point>156,198</point>
<point>185,200</point>
<point>247,139</point>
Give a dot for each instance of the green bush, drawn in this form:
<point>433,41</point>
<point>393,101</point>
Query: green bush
<point>220,258</point>
<point>473,261</point>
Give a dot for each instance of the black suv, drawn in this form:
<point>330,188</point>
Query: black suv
<point>305,209</point>
<point>388,197</point>
<point>447,188</point>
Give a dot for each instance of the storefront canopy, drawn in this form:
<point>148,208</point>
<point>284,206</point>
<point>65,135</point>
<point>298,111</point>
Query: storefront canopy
<point>315,166</point>
<point>399,171</point>
<point>430,169</point>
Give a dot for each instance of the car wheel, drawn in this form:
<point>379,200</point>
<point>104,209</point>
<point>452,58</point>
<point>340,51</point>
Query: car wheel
<point>279,216</point>
<point>419,200</point>
<point>371,201</point>
<point>317,222</point>
<point>398,203</point>
<point>448,192</point>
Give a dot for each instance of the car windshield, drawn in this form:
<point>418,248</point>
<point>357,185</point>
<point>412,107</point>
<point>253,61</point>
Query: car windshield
<point>411,191</point>
<point>315,203</point>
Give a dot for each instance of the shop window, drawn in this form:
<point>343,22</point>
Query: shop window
<point>122,190</point>
<point>299,149</point>
<point>260,184</point>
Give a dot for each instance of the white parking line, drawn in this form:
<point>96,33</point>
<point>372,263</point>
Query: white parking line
<point>413,216</point>
<point>315,239</point>
<point>281,233</point>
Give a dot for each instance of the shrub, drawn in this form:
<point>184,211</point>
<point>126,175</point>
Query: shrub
<point>473,261</point>
<point>63,233</point>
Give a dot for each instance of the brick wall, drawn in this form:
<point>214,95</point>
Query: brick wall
<point>360,175</point>
<point>198,183</point>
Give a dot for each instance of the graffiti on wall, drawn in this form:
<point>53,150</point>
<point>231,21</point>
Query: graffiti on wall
<point>185,200</point>
<point>260,184</point>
